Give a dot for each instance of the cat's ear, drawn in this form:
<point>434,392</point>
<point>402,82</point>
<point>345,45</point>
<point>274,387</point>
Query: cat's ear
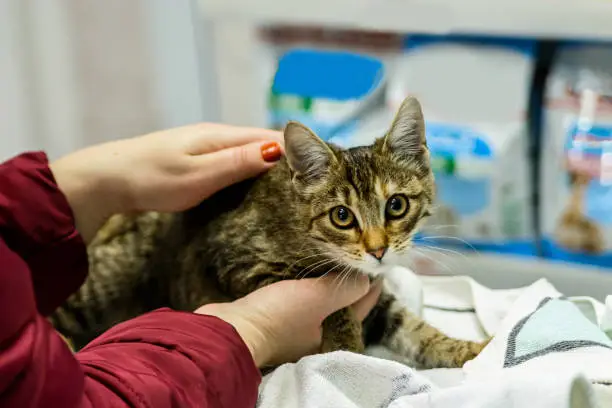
<point>307,155</point>
<point>406,137</point>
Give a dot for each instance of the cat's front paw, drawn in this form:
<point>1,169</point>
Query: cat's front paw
<point>471,351</point>
<point>341,331</point>
<point>449,353</point>
<point>332,343</point>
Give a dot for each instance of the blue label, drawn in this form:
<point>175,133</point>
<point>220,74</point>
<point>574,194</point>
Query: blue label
<point>456,141</point>
<point>593,140</point>
<point>451,146</point>
<point>305,76</point>
<point>585,148</point>
<point>334,75</point>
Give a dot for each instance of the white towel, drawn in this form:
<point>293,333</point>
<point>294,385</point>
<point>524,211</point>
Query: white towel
<point>547,352</point>
<point>340,380</point>
<point>347,380</point>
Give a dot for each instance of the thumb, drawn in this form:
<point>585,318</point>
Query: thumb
<point>334,293</point>
<point>232,165</point>
<point>364,305</point>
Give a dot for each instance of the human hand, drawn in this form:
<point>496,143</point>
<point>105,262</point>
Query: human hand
<point>282,322</point>
<point>170,170</point>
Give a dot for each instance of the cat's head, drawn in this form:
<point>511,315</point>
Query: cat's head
<point>364,203</point>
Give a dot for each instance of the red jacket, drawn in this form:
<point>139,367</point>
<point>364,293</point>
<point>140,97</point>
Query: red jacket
<point>162,359</point>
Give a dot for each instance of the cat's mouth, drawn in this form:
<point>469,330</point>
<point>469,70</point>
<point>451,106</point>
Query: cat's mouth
<point>376,268</point>
<point>370,266</point>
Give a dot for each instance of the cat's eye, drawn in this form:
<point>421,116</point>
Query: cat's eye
<point>342,217</point>
<point>397,206</point>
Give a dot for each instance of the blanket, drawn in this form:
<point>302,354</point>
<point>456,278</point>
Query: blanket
<point>547,351</point>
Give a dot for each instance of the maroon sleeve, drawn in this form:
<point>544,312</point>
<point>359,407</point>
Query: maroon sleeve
<point>36,223</point>
<point>164,358</point>
<point>168,358</point>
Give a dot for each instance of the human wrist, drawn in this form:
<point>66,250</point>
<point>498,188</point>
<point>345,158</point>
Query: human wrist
<point>93,195</point>
<point>254,342</point>
<point>248,333</point>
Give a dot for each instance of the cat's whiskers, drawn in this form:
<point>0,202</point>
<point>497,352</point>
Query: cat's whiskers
<point>302,274</point>
<point>439,237</point>
<point>342,276</point>
<point>437,262</point>
<point>331,270</point>
<point>432,249</point>
<point>319,253</point>
<point>434,260</point>
<point>325,261</point>
<point>326,273</point>
<point>444,251</point>
<point>339,275</point>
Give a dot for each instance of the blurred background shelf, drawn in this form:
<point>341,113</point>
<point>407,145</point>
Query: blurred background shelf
<point>505,272</point>
<point>236,26</point>
<point>588,19</point>
<point>72,75</point>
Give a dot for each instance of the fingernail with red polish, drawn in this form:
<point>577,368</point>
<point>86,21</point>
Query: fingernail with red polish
<point>271,152</point>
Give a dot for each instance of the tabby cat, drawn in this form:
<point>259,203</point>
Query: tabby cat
<point>321,209</point>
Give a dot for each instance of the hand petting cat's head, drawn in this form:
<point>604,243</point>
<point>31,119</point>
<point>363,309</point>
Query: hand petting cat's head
<point>365,203</point>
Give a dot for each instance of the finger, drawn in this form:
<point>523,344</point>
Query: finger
<point>332,292</point>
<point>228,166</point>
<point>216,137</point>
<point>363,306</point>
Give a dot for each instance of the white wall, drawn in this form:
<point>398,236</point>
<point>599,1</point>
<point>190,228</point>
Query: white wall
<point>77,72</point>
<point>50,66</point>
<point>15,129</point>
<point>182,53</point>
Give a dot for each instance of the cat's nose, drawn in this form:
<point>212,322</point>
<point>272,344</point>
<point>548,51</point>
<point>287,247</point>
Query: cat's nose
<point>378,253</point>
